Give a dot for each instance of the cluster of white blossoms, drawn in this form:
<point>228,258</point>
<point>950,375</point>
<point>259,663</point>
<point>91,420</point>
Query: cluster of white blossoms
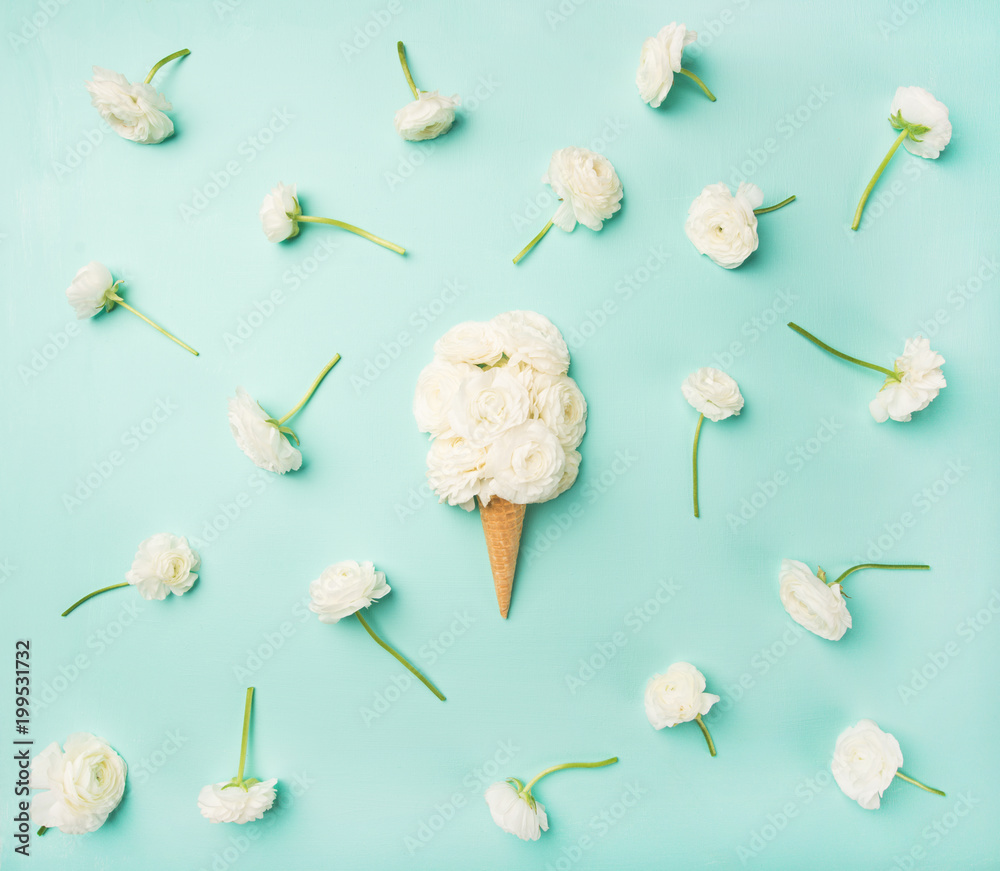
<point>505,418</point>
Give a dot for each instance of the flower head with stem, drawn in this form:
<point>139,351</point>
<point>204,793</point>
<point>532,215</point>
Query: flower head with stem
<point>429,115</point>
<point>280,215</point>
<point>715,395</point>
<point>515,809</point>
<point>911,385</point>
<point>94,290</point>
<point>266,439</point>
<point>678,696</point>
<point>347,588</point>
<point>660,58</point>
<point>240,799</point>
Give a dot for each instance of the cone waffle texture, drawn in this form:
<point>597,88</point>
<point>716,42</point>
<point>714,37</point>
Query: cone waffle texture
<point>502,523</point>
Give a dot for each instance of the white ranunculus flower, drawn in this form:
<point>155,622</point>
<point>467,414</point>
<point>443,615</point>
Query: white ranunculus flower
<point>919,380</point>
<point>558,403</point>
<point>344,588</point>
<point>134,111</point>
<point>437,386</point>
<point>526,464</point>
<point>514,814</point>
<point>811,602</point>
<point>660,58</point>
<point>915,106</point>
<point>532,339</point>
<point>261,441</point>
<point>712,393</point>
<point>724,226</point>
<point>865,761</point>
<point>570,473</point>
<point>83,783</point>
<point>456,469</point>
<point>226,802</point>
<point>278,213</point>
<point>479,343</point>
<point>488,404</point>
<point>163,564</point>
<point>92,289</point>
<point>429,116</point>
<point>677,696</point>
<point>588,186</point>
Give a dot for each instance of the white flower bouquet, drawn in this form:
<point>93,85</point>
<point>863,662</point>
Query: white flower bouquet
<point>505,421</point>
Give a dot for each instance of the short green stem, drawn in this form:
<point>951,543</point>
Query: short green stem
<point>878,172</point>
<point>352,229</point>
<point>156,326</point>
<point>775,207</point>
<point>706,733</point>
<point>699,83</point>
<point>875,566</point>
<point>42,831</point>
<point>76,605</point>
<point>563,767</point>
<point>533,242</point>
<point>246,735</point>
<point>694,462</point>
<point>406,69</point>
<point>312,390</point>
<point>399,656</point>
<point>924,786</point>
<point>836,353</point>
<point>166,60</point>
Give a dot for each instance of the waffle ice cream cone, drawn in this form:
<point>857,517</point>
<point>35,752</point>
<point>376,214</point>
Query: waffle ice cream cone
<point>502,523</point>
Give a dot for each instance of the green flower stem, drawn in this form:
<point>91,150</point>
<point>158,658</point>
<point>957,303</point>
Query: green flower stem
<point>246,735</point>
<point>694,462</point>
<point>351,228</point>
<point>873,566</point>
<point>533,242</point>
<point>699,83</point>
<point>166,60</point>
<point>902,776</point>
<point>406,69</point>
<point>156,326</point>
<point>706,733</point>
<point>554,768</point>
<point>881,168</point>
<point>399,656</point>
<point>312,390</point>
<point>42,831</point>
<point>836,353</point>
<point>76,605</point>
<point>775,207</point>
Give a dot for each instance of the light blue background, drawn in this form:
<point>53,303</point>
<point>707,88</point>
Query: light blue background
<point>548,76</point>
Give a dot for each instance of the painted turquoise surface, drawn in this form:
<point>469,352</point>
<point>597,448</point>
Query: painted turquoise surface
<point>617,580</point>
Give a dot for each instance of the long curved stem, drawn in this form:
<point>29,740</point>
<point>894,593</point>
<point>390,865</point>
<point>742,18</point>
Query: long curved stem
<point>351,228</point>
<point>837,353</point>
<point>699,83</point>
<point>533,242</point>
<point>873,566</point>
<point>246,735</point>
<point>878,172</point>
<point>406,69</point>
<point>902,776</point>
<point>399,656</point>
<point>706,733</point>
<point>775,207</point>
<point>563,767</point>
<point>156,326</point>
<point>76,605</point>
<point>312,390</point>
<point>694,462</point>
<point>166,60</point>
